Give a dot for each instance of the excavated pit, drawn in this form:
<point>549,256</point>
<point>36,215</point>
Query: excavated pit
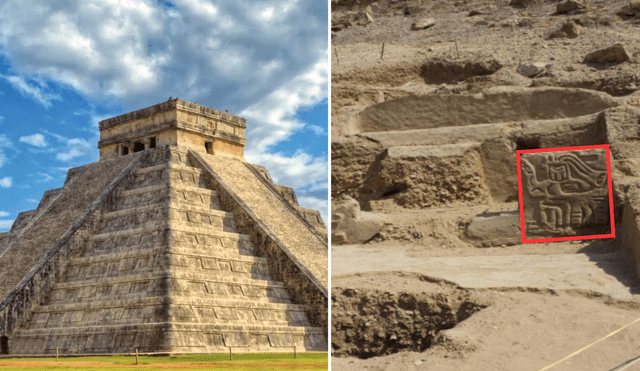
<point>498,105</point>
<point>437,150</point>
<point>405,313</point>
<point>430,72</point>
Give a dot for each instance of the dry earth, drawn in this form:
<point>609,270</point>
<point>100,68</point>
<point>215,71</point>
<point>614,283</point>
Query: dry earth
<point>416,285</point>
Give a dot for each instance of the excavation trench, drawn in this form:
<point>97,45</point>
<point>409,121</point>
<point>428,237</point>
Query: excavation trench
<point>368,322</point>
<point>432,150</point>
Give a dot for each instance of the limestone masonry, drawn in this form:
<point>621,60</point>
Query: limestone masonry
<point>170,243</point>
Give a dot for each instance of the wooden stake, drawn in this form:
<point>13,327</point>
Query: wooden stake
<point>294,347</point>
<point>457,52</point>
<point>136,356</point>
<point>230,358</point>
<point>56,354</point>
<point>336,51</point>
<point>382,54</point>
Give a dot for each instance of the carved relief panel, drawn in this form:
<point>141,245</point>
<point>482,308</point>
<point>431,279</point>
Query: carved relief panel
<point>565,193</point>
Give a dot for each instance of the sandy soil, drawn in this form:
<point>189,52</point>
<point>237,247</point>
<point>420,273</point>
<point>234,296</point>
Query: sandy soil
<point>523,330</point>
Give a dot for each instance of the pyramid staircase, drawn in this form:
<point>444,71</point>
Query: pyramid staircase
<point>165,269</point>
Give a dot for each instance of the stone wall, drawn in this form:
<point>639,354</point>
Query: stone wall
<point>171,123</point>
<point>303,286</point>
<point>40,254</point>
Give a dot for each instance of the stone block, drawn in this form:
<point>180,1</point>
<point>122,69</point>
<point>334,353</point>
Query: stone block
<point>565,193</point>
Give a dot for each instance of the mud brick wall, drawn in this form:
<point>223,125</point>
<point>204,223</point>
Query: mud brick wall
<point>33,261</point>
<point>304,287</point>
<point>426,176</point>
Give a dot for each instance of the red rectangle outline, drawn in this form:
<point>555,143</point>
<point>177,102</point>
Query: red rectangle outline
<point>573,238</point>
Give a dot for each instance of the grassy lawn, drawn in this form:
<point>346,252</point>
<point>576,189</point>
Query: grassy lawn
<point>248,361</point>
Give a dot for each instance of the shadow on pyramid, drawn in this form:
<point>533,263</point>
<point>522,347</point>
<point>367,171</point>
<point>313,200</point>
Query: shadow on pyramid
<point>171,243</point>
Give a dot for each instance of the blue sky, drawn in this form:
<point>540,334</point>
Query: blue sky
<point>66,65</point>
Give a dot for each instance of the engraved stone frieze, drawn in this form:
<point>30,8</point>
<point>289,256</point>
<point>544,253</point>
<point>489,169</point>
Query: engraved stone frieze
<point>565,193</point>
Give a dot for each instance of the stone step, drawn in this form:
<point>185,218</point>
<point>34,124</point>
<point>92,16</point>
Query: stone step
<point>176,193</point>
<point>79,273</point>
<point>164,261</point>
<point>183,283</point>
<point>171,275</point>
<point>159,309</point>
<point>168,300</point>
<point>309,249</point>
<point>174,337</point>
<point>168,165</point>
<point>159,226</point>
<point>201,253</point>
<point>157,215</point>
<point>118,293</point>
<point>223,246</point>
<point>170,206</point>
<point>176,173</point>
<point>137,315</point>
<point>211,251</point>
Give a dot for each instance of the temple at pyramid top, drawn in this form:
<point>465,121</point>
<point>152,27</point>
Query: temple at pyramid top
<point>173,123</point>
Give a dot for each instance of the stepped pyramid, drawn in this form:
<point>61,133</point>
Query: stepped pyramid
<point>170,243</point>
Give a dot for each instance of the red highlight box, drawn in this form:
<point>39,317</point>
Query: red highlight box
<point>569,238</point>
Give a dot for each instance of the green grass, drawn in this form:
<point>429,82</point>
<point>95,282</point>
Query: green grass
<point>246,361</point>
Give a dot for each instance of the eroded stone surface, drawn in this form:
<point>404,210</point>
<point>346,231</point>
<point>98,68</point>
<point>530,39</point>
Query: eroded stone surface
<point>565,193</point>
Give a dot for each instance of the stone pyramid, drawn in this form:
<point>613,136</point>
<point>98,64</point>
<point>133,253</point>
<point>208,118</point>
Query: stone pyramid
<point>170,243</point>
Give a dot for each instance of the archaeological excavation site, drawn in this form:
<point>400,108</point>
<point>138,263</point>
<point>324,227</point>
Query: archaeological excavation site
<point>170,243</point>
<point>462,236</point>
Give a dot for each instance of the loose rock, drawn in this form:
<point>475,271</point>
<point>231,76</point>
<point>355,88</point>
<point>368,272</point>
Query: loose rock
<point>612,54</point>
<point>631,9</point>
<point>570,6</point>
<point>423,24</point>
<point>364,17</point>
<point>522,3</point>
<point>530,69</point>
<point>350,225</point>
<point>568,30</point>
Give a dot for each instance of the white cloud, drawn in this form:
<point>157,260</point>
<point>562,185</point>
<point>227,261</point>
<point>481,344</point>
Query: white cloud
<point>44,177</point>
<point>3,214</point>
<point>317,130</point>
<point>76,147</point>
<point>138,53</point>
<point>59,138</point>
<point>35,140</point>
<point>6,224</point>
<point>261,60</point>
<point>37,93</point>
<point>318,185</point>
<point>297,171</point>
<point>5,182</point>
<point>32,200</point>
<point>274,119</point>
<point>274,116</point>
<point>5,142</point>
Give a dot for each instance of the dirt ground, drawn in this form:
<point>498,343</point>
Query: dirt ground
<point>417,296</point>
<point>520,329</point>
